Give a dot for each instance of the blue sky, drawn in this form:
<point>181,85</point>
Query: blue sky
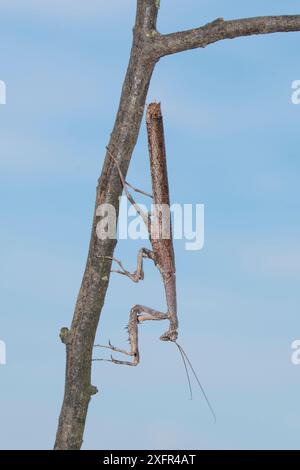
<point>232,141</point>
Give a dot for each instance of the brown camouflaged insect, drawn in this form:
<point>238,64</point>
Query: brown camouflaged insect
<point>159,228</point>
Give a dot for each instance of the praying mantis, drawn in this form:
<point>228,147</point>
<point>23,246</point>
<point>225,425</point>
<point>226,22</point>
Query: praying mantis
<point>159,227</point>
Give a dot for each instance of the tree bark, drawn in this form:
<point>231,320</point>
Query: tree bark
<point>79,340</point>
<point>219,29</point>
<point>147,48</point>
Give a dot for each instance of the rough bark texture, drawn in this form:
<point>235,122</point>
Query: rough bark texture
<point>220,29</point>
<point>79,340</point>
<point>148,46</point>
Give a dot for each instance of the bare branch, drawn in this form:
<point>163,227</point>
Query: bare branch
<point>147,47</point>
<point>146,15</point>
<point>220,29</point>
<point>80,338</point>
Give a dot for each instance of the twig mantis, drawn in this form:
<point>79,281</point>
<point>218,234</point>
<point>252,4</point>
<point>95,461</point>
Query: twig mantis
<point>159,228</point>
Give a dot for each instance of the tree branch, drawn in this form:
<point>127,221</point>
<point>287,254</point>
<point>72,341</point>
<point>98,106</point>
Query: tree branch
<point>79,340</point>
<point>146,15</point>
<point>147,48</point>
<point>220,29</point>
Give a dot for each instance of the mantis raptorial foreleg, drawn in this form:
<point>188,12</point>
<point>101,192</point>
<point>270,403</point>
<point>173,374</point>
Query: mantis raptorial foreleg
<point>138,274</point>
<point>138,314</point>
